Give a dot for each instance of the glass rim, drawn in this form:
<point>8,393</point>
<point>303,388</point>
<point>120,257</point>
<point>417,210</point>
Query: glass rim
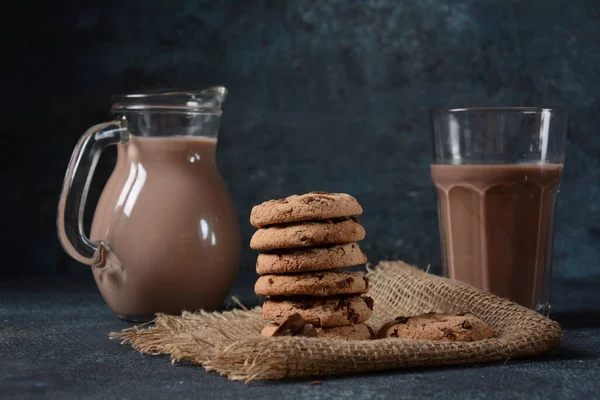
<point>500,109</point>
<point>200,101</point>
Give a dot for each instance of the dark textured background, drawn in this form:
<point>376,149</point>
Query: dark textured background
<point>324,95</point>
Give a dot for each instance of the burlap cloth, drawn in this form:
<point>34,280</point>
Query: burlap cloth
<point>230,342</point>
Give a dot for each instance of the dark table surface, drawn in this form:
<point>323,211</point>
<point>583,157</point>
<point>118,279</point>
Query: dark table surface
<point>54,344</point>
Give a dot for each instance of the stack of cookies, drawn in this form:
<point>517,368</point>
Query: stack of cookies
<point>303,240</point>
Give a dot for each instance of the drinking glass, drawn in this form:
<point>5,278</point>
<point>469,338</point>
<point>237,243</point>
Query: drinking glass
<point>497,172</point>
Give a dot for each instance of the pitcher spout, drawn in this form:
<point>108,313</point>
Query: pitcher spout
<point>214,96</point>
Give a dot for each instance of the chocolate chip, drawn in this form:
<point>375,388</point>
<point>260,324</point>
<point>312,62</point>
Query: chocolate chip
<point>295,325</point>
<point>382,334</point>
<point>320,275</point>
<point>311,199</point>
<point>466,325</point>
<point>353,316</point>
<point>342,284</point>
<point>369,301</point>
<point>448,333</point>
<point>340,305</point>
<point>349,280</point>
<point>366,281</point>
<point>302,306</point>
<point>271,281</point>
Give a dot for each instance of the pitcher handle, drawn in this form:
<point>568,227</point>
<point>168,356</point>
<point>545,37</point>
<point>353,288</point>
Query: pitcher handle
<point>75,190</point>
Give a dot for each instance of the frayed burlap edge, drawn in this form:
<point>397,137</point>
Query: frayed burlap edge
<point>230,344</point>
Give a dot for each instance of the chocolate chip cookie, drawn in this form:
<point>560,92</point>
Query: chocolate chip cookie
<point>350,332</point>
<point>312,284</point>
<point>306,234</point>
<point>443,327</point>
<point>322,312</point>
<point>305,207</point>
<point>310,259</point>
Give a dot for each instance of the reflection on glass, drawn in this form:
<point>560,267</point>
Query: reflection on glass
<point>140,180</point>
<point>204,229</point>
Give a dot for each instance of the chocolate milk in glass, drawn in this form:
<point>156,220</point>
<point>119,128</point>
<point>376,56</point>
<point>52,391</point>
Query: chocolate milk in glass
<point>497,172</point>
<point>496,225</point>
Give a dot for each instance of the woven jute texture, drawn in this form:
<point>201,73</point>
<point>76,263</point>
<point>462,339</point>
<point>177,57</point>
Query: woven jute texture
<point>230,342</point>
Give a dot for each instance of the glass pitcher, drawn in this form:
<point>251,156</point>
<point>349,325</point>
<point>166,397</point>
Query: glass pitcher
<point>165,235</point>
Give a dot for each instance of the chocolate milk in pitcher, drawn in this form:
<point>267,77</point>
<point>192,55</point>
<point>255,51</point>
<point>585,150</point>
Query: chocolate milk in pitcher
<point>165,235</point>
